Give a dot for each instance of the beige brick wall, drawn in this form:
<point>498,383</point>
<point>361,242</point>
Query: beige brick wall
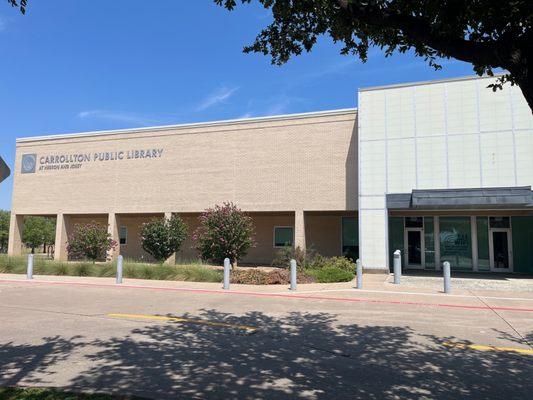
<point>323,232</point>
<point>305,162</point>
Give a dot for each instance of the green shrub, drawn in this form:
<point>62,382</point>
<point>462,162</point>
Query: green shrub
<point>331,275</point>
<point>224,231</point>
<point>161,237</point>
<point>61,269</point>
<point>341,263</point>
<point>82,269</point>
<point>90,241</point>
<point>106,270</point>
<point>146,272</point>
<point>308,258</point>
<point>129,271</point>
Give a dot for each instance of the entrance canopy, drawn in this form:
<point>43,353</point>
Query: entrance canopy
<point>449,199</point>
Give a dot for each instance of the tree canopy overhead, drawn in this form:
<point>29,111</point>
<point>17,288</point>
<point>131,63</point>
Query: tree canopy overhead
<point>21,4</point>
<point>488,34</point>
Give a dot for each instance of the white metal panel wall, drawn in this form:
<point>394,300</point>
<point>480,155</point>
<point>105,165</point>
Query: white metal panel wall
<point>454,134</point>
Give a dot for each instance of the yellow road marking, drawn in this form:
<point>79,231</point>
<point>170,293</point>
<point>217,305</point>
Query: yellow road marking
<point>481,347</point>
<point>248,329</point>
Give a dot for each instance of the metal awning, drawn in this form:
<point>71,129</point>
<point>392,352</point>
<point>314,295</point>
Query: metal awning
<point>479,198</point>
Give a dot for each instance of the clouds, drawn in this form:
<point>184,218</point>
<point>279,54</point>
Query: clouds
<point>126,117</point>
<point>3,23</point>
<point>218,96</point>
<point>274,105</point>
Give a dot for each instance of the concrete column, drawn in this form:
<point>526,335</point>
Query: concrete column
<point>16,225</point>
<point>112,229</point>
<point>60,247</point>
<point>299,229</point>
<point>172,259</point>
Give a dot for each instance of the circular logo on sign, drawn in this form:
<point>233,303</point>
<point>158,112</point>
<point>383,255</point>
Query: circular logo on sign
<point>28,163</point>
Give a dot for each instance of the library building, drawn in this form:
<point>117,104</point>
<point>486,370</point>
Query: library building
<point>440,170</point>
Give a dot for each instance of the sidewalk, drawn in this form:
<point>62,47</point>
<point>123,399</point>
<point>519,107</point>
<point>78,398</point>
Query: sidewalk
<point>374,287</point>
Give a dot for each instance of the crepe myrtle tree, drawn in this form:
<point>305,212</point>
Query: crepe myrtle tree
<point>224,231</point>
<point>163,237</point>
<point>488,34</point>
<point>91,241</point>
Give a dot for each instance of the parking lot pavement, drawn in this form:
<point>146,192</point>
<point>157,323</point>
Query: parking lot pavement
<point>192,343</point>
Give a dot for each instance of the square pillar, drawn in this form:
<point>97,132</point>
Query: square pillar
<point>16,225</point>
<point>112,229</point>
<point>172,259</point>
<point>299,229</point>
<point>60,247</point>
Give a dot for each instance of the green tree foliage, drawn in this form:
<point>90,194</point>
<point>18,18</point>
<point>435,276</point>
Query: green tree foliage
<point>4,230</point>
<point>91,241</point>
<point>161,237</point>
<point>488,34</point>
<point>38,231</point>
<point>20,4</point>
<point>224,231</point>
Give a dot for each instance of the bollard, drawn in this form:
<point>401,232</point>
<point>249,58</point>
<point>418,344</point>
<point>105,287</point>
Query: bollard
<point>359,273</point>
<point>293,275</point>
<point>29,273</point>
<point>397,267</point>
<point>447,277</point>
<point>226,274</point>
<point>120,262</point>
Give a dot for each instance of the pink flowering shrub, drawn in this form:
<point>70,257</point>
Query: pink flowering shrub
<point>224,231</point>
<point>91,241</point>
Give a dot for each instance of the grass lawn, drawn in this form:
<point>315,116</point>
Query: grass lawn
<point>52,394</point>
<point>179,272</point>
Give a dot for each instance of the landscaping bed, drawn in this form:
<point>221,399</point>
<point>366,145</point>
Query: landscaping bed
<point>320,270</point>
<point>132,270</point>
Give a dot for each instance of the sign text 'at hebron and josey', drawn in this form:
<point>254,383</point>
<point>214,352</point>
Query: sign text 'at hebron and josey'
<point>47,162</point>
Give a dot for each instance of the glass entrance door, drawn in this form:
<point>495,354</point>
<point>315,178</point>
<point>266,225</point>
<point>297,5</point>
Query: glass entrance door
<point>414,245</point>
<point>501,256</point>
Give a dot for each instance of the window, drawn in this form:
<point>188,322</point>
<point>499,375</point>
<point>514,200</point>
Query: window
<point>123,235</point>
<point>499,222</point>
<point>483,256</point>
<point>414,222</point>
<point>350,238</point>
<point>283,236</point>
<point>429,243</point>
<point>456,242</point>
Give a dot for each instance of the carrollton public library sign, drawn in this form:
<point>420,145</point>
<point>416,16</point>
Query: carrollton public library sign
<point>73,161</point>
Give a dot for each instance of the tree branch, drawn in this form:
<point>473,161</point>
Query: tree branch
<point>465,50</point>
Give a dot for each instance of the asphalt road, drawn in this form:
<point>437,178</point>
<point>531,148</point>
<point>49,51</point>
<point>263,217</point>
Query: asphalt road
<point>165,344</point>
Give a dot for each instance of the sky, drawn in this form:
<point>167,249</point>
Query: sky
<point>75,66</point>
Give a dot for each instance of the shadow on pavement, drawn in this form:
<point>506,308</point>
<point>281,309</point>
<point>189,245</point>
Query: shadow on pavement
<point>302,355</point>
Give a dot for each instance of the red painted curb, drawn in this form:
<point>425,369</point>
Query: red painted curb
<point>288,296</point>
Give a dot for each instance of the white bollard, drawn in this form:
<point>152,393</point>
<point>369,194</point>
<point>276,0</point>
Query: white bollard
<point>293,275</point>
<point>120,263</point>
<point>29,272</point>
<point>447,271</point>
<point>359,273</point>
<point>226,274</point>
<point>397,267</point>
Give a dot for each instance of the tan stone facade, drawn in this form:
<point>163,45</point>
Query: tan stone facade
<point>297,170</point>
